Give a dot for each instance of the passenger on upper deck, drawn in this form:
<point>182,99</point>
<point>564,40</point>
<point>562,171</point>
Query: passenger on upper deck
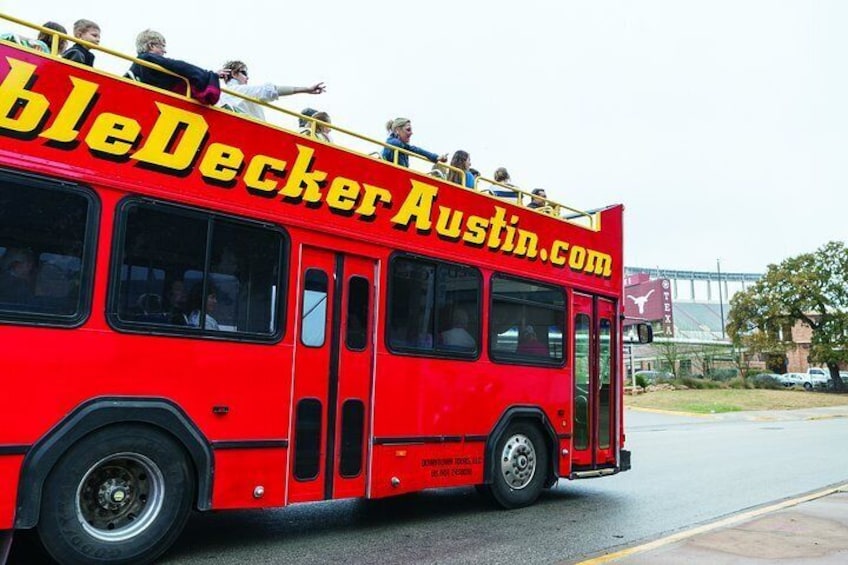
<point>322,132</point>
<point>28,42</point>
<point>267,92</point>
<point>539,198</point>
<point>400,131</point>
<point>151,47</point>
<point>86,30</point>
<point>461,160</point>
<point>502,176</point>
<point>47,38</point>
<point>301,122</point>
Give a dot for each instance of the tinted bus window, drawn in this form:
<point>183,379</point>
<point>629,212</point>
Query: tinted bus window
<point>527,322</point>
<point>46,248</point>
<point>187,271</point>
<point>356,334</point>
<point>314,318</point>
<point>434,308</point>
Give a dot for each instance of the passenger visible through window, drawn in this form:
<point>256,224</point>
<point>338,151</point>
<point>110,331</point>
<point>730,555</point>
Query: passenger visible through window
<point>43,234</point>
<point>527,321</point>
<point>434,307</point>
<point>183,269</point>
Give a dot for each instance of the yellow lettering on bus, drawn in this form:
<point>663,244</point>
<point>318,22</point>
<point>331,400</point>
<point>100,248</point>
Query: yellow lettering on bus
<point>65,127</point>
<point>509,240</point>
<point>254,177</point>
<point>475,230</point>
<point>577,258</point>
<point>173,126</point>
<point>373,194</point>
<point>449,222</point>
<point>302,182</point>
<point>496,226</point>
<point>527,245</point>
<point>221,162</point>
<point>417,205</point>
<point>558,252</point>
<point>343,194</point>
<point>599,263</point>
<point>112,134</point>
<point>21,110</point>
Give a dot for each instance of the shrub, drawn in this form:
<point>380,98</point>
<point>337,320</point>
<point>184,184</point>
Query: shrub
<point>699,383</point>
<point>723,374</point>
<point>765,382</point>
<point>641,381</point>
<point>739,383</point>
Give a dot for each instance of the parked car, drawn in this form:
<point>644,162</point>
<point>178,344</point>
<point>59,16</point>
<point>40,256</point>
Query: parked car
<point>801,379</point>
<point>819,376</point>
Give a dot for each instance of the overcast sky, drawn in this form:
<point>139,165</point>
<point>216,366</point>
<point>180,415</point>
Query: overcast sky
<point>722,126</point>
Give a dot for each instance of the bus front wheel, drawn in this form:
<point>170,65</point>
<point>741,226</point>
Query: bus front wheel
<point>520,466</point>
<point>122,494</point>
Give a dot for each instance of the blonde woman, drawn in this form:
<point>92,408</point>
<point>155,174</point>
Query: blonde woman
<point>400,132</point>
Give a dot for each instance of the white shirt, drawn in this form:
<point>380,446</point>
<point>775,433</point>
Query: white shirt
<point>266,92</point>
<point>458,337</point>
<point>194,320</point>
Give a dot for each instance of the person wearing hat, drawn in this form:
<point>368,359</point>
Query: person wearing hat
<point>236,72</point>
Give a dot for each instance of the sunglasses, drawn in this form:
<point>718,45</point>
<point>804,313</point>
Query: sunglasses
<point>242,72</point>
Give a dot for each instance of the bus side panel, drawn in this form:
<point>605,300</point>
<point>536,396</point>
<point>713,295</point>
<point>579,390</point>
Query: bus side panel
<point>246,478</point>
<point>10,468</point>
<point>407,468</point>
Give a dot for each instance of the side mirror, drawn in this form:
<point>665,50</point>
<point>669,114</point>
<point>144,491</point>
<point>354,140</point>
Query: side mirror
<point>645,333</point>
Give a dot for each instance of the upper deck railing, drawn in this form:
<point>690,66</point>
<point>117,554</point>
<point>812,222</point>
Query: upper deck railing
<point>357,142</point>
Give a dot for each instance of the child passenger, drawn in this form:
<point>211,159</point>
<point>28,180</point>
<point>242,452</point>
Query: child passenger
<point>86,30</point>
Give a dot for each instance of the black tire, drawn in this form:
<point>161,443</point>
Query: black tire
<point>120,495</point>
<point>520,466</point>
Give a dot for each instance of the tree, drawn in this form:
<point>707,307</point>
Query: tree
<point>811,288</point>
<point>670,355</point>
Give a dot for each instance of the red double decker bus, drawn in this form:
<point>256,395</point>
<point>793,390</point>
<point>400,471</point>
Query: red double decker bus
<point>201,311</point>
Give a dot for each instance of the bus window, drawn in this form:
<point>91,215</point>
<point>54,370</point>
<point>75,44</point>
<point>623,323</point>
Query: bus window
<point>314,319</point>
<point>527,321</point>
<point>184,270</point>
<point>434,308</point>
<point>356,334</point>
<point>43,236</point>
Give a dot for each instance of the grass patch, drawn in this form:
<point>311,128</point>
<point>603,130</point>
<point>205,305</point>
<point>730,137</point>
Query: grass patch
<point>715,401</point>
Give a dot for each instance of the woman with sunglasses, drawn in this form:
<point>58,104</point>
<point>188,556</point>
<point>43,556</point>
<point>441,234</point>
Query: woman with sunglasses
<point>237,77</point>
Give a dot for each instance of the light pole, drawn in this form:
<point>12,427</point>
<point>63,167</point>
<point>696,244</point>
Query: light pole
<point>720,298</point>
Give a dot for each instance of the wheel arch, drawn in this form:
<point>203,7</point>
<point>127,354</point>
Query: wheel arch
<point>99,413</point>
<point>534,415</point>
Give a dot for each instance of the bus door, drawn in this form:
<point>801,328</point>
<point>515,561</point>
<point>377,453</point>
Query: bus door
<point>334,344</point>
<point>595,386</point>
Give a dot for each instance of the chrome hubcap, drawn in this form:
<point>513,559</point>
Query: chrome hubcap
<point>518,461</point>
<point>120,496</point>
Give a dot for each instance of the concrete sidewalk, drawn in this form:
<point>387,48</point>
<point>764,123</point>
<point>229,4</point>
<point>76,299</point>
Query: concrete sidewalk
<point>810,530</point>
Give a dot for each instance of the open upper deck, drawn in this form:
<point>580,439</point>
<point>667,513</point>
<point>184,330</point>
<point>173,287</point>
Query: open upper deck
<point>60,117</point>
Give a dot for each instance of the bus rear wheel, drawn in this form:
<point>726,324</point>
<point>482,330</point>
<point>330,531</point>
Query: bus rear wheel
<point>120,495</point>
<point>520,466</point>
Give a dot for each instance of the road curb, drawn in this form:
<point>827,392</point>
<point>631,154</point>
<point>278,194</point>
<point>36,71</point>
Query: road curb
<point>721,523</point>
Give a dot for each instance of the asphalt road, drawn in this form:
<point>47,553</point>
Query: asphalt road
<point>686,471</point>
